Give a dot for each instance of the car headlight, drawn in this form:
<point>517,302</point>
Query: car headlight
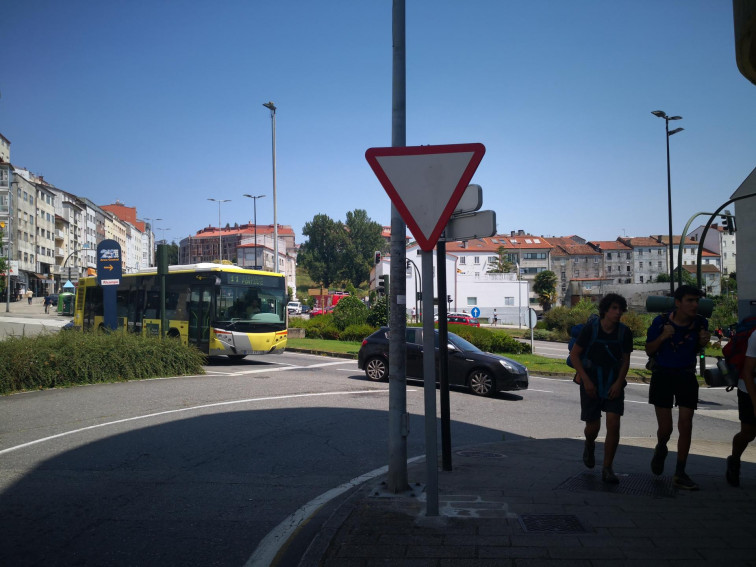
<point>506,364</point>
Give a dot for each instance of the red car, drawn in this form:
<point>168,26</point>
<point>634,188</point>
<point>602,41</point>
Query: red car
<point>320,311</point>
<point>463,320</point>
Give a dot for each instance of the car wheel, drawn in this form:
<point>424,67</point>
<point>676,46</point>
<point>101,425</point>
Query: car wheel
<point>376,369</point>
<point>481,382</point>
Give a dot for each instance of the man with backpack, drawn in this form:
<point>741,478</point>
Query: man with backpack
<point>673,340</point>
<point>601,359</point>
<point>746,366</point>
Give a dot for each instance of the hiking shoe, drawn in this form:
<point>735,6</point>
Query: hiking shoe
<point>657,462</point>
<point>589,459</point>
<point>684,481</point>
<point>733,472</point>
<point>608,476</point>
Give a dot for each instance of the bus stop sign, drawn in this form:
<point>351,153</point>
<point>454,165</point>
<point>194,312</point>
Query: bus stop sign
<point>109,272</point>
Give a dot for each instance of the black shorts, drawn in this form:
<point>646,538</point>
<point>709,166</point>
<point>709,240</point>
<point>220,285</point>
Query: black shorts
<point>745,408</point>
<point>591,408</point>
<point>673,387</point>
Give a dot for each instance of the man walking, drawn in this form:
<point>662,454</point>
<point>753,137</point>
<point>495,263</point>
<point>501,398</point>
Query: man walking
<point>601,358</point>
<point>674,339</point>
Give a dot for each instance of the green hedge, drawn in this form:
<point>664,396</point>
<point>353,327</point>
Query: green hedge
<point>69,358</point>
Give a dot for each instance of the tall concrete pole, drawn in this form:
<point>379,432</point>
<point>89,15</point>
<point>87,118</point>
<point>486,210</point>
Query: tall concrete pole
<point>398,417</point>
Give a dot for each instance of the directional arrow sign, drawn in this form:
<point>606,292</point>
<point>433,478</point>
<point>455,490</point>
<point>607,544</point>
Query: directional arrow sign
<point>425,183</point>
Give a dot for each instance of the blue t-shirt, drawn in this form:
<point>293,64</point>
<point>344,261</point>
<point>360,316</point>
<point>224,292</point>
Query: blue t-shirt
<point>681,350</point>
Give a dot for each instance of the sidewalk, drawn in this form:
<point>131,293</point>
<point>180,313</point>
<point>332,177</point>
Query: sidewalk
<point>532,502</point>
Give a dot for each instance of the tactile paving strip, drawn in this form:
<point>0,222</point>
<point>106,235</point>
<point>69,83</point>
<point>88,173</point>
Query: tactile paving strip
<point>634,484</point>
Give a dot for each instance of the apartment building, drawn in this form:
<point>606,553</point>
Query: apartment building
<point>720,242</point>
<point>579,268</point>
<point>647,260</point>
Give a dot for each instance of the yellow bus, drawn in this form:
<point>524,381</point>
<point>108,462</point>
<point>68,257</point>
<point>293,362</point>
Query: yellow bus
<point>221,309</point>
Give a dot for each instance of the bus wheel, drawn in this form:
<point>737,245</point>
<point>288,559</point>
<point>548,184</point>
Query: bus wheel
<point>236,357</point>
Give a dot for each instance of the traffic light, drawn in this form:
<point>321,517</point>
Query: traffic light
<point>383,284</point>
<point>728,223</point>
<point>377,257</point>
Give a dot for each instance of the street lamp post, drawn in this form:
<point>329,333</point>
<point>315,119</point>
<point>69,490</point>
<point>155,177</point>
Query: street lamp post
<point>220,234</point>
<point>272,107</point>
<point>662,114</point>
<point>254,200</point>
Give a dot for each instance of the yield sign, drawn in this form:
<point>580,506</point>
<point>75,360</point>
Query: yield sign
<point>425,183</point>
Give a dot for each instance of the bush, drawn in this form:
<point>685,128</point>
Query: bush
<point>490,341</point>
<point>542,335</point>
<point>637,324</point>
<point>378,316</point>
<point>356,332</point>
<point>71,357</point>
<point>504,343</point>
<point>349,311</point>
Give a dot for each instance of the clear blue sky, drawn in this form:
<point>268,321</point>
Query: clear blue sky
<point>158,104</point>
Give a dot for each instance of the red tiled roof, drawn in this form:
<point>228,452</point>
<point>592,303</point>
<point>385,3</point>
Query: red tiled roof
<point>711,268</point>
<point>246,229</point>
<point>606,245</point>
<point>571,248</point>
<point>637,241</point>
<point>493,244</point>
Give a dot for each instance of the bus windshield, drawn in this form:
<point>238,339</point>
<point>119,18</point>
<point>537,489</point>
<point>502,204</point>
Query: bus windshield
<point>262,305</point>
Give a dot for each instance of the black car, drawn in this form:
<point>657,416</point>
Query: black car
<point>482,372</point>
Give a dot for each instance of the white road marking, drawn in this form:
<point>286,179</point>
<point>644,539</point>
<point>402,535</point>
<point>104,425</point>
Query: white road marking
<point>193,408</point>
<point>270,545</point>
<point>544,391</point>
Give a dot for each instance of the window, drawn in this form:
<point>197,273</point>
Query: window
<point>462,260</point>
<point>534,255</point>
<point>476,259</point>
<point>472,301</point>
<point>493,259</point>
<point>640,251</point>
<point>609,269</point>
<point>641,279</point>
<point>577,273</point>
<point>576,260</point>
<point>509,301</point>
<point>659,264</point>
<point>628,269</point>
<point>608,255</point>
<point>629,256</point>
<point>595,260</point>
<point>640,265</point>
<point>564,276</point>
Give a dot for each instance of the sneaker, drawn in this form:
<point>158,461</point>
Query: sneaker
<point>608,476</point>
<point>684,481</point>
<point>733,472</point>
<point>589,459</point>
<point>657,462</point>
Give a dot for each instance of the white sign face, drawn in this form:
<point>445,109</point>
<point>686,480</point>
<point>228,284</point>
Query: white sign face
<point>425,183</point>
<point>110,282</point>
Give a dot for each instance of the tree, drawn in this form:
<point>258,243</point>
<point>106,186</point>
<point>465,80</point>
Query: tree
<point>545,285</point>
<point>363,238</point>
<point>502,265</point>
<point>323,253</point>
<point>687,278</point>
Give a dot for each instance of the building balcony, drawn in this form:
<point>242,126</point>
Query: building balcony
<point>59,252</point>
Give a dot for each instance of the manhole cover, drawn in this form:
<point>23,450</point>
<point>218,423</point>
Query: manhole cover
<point>484,454</point>
<point>633,484</point>
<point>545,523</point>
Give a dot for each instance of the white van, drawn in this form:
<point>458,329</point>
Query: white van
<point>294,307</point>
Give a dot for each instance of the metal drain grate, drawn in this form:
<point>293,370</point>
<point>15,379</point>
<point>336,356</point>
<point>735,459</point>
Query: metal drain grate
<point>544,523</point>
<point>484,454</point>
<point>632,484</point>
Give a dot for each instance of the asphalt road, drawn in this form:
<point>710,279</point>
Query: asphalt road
<point>197,470</point>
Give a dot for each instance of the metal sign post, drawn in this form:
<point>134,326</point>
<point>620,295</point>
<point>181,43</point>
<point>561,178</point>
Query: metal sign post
<point>429,386</point>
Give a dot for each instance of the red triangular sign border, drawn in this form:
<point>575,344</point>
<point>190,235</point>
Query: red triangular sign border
<point>426,244</point>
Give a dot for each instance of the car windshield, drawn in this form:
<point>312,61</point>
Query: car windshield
<point>462,344</point>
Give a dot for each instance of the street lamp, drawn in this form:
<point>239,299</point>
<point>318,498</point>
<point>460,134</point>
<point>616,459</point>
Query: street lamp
<point>255,198</point>
<point>220,234</point>
<point>164,241</point>
<point>662,114</point>
<point>272,107</point>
